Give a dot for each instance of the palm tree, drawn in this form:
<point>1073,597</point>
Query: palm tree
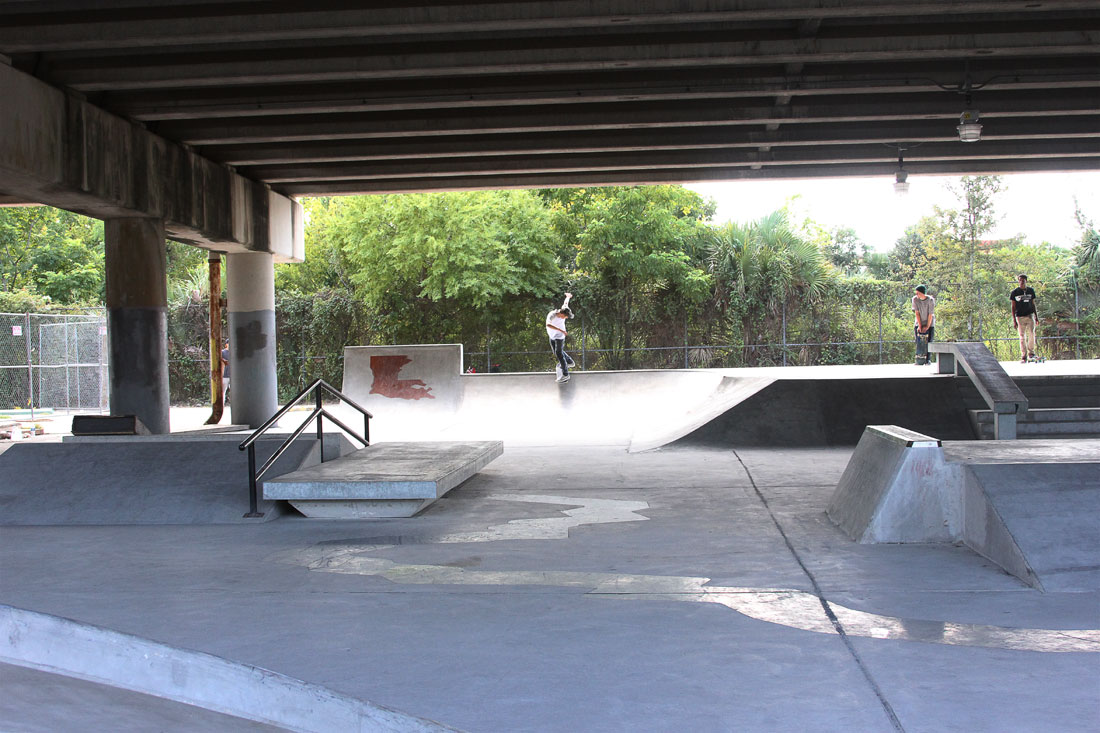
<point>762,269</point>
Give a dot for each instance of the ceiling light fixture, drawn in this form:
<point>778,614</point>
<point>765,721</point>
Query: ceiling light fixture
<point>970,127</point>
<point>901,178</point>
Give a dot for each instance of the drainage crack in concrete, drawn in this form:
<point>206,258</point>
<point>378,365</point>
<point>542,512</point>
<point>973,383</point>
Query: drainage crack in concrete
<point>887,708</point>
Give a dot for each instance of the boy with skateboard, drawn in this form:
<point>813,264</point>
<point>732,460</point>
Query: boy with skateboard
<point>924,312</point>
<point>555,329</point>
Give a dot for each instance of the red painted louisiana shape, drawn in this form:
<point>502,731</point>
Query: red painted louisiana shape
<point>386,383</point>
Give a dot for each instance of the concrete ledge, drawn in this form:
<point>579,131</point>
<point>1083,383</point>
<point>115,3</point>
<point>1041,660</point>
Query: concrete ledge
<point>902,436</point>
<point>896,488</point>
<point>899,486</point>
<point>62,646</point>
<point>382,480</point>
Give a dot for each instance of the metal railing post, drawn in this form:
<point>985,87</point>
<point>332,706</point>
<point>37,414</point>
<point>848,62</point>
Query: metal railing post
<point>320,429</point>
<point>253,508</point>
<point>317,387</point>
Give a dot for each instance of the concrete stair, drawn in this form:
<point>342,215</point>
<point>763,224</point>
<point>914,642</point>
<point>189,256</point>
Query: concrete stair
<point>1058,407</point>
<point>1049,422</point>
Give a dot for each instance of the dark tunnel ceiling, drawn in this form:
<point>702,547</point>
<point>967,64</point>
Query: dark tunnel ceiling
<point>370,97</point>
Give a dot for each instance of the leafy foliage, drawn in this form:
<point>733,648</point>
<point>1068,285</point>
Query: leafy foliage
<point>764,269</point>
<point>637,260</point>
<point>52,253</point>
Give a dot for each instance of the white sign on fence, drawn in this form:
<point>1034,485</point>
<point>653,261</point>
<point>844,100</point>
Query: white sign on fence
<point>16,330</point>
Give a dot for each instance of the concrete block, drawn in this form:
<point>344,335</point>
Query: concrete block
<point>108,425</point>
<point>382,480</point>
<point>896,488</point>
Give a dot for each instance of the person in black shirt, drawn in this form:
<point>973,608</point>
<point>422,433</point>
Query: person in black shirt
<point>1024,318</point>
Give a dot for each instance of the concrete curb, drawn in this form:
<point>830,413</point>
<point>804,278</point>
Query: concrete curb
<point>62,646</point>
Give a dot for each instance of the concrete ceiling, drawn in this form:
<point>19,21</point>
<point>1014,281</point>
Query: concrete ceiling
<point>366,97</point>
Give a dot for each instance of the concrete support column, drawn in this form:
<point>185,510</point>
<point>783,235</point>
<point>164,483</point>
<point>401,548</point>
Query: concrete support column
<point>137,326</point>
<point>253,387</point>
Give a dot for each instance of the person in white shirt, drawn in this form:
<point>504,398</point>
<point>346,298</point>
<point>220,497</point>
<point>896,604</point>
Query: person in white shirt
<point>555,329</point>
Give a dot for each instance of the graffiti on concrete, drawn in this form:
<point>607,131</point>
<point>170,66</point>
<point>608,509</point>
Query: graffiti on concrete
<point>386,383</point>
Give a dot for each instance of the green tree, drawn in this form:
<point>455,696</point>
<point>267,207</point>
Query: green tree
<point>959,253</point>
<point>843,248</point>
<point>54,253</point>
<point>326,266</point>
<point>436,267</point>
<point>764,270</point>
<point>910,253</point>
<point>635,257</point>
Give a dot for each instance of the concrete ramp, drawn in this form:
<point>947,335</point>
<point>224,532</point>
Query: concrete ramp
<point>159,479</point>
<point>1029,507</point>
<point>418,391</point>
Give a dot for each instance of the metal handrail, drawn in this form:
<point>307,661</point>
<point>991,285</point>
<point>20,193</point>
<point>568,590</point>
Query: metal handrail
<point>318,387</point>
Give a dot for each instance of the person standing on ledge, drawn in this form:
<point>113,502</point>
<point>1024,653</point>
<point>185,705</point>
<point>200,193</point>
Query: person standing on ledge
<point>924,313</point>
<point>555,329</point>
<point>1024,318</point>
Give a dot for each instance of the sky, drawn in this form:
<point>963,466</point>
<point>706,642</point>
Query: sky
<point>1038,205</point>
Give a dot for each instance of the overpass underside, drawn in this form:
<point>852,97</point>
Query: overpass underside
<point>203,121</point>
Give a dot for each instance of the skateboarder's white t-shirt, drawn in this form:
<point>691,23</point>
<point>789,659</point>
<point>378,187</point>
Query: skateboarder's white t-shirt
<point>554,319</point>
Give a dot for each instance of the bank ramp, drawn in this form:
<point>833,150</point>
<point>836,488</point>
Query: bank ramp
<point>419,391</point>
<point>1030,507</point>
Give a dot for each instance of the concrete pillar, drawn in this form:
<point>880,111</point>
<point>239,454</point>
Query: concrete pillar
<point>253,387</point>
<point>137,326</point>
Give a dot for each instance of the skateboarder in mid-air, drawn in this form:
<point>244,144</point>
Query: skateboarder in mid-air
<point>555,329</point>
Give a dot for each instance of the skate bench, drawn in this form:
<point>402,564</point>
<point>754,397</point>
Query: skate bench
<point>383,479</point>
<point>972,359</point>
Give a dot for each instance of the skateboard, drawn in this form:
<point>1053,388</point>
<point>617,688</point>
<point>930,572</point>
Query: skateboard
<point>922,349</point>
<point>1035,359</point>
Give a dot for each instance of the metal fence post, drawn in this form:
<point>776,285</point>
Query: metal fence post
<point>880,328</point>
<point>784,333</point>
<point>686,366</point>
<point>68,381</point>
<point>1076,319</point>
<point>584,344</point>
<point>30,368</point>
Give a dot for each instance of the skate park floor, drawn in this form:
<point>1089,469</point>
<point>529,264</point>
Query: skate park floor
<point>579,588</point>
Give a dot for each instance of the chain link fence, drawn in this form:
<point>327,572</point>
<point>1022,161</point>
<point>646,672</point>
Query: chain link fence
<point>53,362</point>
<point>761,355</point>
<point>59,362</point>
